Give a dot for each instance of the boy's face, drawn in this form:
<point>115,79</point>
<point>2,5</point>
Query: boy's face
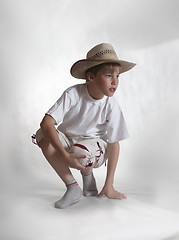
<point>105,82</point>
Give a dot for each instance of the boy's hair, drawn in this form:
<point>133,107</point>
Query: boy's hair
<point>94,70</point>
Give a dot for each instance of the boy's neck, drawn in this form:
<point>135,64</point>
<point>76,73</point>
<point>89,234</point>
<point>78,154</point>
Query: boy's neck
<point>93,93</point>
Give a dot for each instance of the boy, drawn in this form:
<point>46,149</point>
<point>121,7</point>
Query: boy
<point>91,126</point>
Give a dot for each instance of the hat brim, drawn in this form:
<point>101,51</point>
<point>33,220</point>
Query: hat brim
<point>79,68</point>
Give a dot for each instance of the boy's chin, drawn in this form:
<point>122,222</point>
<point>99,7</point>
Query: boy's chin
<point>110,94</point>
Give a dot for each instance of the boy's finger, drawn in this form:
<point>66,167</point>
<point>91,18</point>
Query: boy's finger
<point>80,166</point>
<point>81,156</point>
<point>100,194</point>
<point>78,156</point>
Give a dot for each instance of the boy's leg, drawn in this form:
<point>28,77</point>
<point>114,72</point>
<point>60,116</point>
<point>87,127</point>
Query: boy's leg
<point>95,150</point>
<point>89,184</point>
<point>74,192</point>
<point>71,196</point>
<point>55,160</point>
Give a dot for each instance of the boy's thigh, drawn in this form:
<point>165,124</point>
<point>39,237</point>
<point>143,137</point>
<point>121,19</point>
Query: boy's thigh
<point>95,150</point>
<point>63,139</point>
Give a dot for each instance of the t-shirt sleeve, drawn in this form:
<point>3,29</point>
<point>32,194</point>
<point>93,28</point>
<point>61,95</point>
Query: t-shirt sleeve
<point>62,106</point>
<point>116,127</point>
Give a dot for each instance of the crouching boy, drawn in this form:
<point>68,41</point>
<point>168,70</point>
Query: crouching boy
<point>90,124</point>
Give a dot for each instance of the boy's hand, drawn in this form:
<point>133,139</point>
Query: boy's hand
<point>111,193</point>
<point>72,159</point>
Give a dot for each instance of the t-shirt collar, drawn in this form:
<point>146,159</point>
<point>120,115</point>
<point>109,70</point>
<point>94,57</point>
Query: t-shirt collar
<point>92,99</point>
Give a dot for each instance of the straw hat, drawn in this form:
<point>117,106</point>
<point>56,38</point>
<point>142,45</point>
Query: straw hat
<point>102,53</point>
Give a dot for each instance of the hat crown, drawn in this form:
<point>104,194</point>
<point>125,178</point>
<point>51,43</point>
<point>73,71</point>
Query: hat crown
<point>102,51</point>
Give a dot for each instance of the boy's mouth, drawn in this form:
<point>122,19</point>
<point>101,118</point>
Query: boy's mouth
<point>112,89</point>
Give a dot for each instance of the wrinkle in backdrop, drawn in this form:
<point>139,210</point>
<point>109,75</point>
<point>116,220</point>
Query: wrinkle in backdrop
<point>39,44</point>
<point>40,40</point>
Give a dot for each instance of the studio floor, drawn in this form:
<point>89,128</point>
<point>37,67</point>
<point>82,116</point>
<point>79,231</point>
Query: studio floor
<point>40,40</point>
<point>28,213</point>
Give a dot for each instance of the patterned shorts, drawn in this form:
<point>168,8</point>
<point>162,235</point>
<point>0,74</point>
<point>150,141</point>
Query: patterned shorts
<point>95,149</point>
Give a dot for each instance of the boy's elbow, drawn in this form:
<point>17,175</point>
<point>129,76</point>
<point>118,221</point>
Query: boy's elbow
<point>42,124</point>
<point>46,122</point>
<point>113,144</point>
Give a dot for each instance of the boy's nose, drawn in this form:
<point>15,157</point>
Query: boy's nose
<point>114,81</point>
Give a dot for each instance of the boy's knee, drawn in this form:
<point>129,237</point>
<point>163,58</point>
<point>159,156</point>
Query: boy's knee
<point>81,149</point>
<point>40,139</point>
<point>43,143</point>
<point>92,149</point>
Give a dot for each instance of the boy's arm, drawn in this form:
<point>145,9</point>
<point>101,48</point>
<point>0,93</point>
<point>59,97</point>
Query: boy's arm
<point>49,130</point>
<point>108,189</point>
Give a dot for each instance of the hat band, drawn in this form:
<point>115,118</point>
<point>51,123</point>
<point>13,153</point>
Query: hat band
<point>99,54</point>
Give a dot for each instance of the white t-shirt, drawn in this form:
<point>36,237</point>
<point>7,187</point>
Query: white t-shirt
<point>80,115</point>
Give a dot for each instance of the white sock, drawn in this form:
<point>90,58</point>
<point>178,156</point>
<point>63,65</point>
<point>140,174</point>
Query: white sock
<point>72,195</point>
<point>89,185</point>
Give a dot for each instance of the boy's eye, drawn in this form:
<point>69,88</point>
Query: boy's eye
<point>109,76</point>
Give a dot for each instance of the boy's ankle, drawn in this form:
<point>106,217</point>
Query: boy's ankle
<point>89,184</point>
<point>86,172</point>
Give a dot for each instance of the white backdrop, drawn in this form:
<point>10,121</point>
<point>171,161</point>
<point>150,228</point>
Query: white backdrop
<point>40,40</point>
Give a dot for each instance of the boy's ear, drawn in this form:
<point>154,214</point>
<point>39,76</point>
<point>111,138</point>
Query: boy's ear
<point>90,76</point>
